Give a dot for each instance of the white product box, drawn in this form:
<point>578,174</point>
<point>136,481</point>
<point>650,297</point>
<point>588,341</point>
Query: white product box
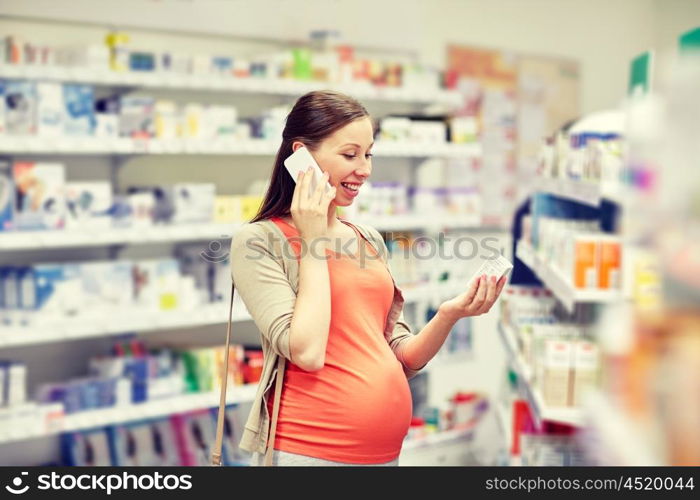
<point>39,195</point>
<point>106,125</point>
<point>49,109</point>
<point>586,365</point>
<point>79,114</point>
<point>136,117</point>
<point>556,372</point>
<point>88,205</point>
<point>20,107</point>
<point>394,128</point>
<point>142,208</point>
<point>107,285</point>
<point>193,202</point>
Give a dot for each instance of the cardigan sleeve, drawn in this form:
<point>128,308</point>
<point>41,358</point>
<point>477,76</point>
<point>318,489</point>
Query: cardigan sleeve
<point>263,286</point>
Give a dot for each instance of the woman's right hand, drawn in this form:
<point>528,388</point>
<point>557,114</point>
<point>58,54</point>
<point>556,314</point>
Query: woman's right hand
<point>310,208</point>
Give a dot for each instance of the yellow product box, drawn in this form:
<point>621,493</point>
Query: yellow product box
<point>250,206</point>
<point>228,208</point>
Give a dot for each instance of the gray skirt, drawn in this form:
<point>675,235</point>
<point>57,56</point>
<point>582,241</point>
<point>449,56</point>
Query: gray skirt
<point>282,459</point>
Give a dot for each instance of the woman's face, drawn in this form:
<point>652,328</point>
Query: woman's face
<point>346,156</point>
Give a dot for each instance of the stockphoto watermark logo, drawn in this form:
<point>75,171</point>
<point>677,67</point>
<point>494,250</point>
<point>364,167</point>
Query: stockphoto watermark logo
<point>107,483</point>
<point>440,246</point>
<point>18,487</point>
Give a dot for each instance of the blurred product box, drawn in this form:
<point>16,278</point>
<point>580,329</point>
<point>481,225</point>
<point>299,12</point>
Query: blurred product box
<point>50,109</point>
<point>20,107</point>
<point>7,196</point>
<point>137,117</point>
<point>39,195</point>
<point>88,205</point>
<point>79,115</point>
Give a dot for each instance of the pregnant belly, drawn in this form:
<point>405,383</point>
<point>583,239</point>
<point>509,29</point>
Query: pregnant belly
<point>358,412</point>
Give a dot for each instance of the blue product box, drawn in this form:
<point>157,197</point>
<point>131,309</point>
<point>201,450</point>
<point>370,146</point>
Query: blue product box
<point>136,369</point>
<point>39,195</point>
<point>79,112</point>
<point>7,196</point>
<point>20,107</point>
<point>87,448</point>
<point>2,106</point>
<point>51,289</point>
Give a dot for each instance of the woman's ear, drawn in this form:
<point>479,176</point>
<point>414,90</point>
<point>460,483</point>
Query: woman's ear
<point>296,145</point>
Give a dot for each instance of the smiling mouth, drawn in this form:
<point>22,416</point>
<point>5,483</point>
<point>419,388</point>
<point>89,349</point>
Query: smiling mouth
<point>351,186</point>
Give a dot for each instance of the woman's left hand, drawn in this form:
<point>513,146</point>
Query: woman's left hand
<point>477,300</point>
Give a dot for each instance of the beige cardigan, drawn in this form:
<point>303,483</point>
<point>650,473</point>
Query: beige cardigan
<point>265,272</point>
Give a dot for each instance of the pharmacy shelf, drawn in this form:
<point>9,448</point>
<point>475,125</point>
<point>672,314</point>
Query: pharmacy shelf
<point>413,222</point>
<point>48,330</point>
<point>100,324</point>
<point>587,193</point>
<point>242,147</point>
<point>438,438</point>
<point>583,192</point>
<point>230,84</point>
<point>143,235</point>
<point>541,412</point>
<point>42,240</point>
<point>119,415</point>
<point>560,286</point>
<point>615,439</point>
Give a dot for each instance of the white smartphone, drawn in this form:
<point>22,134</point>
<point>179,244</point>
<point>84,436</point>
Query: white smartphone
<point>301,160</point>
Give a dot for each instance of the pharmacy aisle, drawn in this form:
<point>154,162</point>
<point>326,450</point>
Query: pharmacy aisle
<point>134,158</point>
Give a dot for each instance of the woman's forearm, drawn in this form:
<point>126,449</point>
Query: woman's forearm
<point>420,348</point>
<point>308,335</point>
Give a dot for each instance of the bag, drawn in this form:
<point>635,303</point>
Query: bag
<point>216,452</point>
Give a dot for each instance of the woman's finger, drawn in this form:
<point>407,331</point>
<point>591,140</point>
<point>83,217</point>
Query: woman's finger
<point>320,193</point>
<point>480,294</point>
<point>468,296</point>
<point>501,284</point>
<point>295,194</point>
<point>490,291</point>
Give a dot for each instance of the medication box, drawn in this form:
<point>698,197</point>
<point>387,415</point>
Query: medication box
<point>39,195</point>
<point>79,110</point>
<point>20,107</point>
<point>7,196</point>
<point>88,205</point>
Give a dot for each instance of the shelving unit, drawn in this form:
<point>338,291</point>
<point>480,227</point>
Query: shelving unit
<point>105,324</point>
<point>37,145</point>
<point>113,153</point>
<point>214,83</point>
<point>558,284</point>
<point>119,415</point>
<point>174,233</point>
<point>46,240</point>
<point>587,193</point>
<point>541,412</point>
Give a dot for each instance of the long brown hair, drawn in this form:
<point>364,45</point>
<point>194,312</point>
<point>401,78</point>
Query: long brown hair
<point>314,117</point>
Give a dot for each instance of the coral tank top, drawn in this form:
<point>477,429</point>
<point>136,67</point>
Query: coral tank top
<point>357,408</point>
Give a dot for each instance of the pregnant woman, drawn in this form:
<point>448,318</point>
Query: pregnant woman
<point>337,351</point>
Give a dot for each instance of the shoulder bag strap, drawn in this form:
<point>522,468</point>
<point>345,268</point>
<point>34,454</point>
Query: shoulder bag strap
<point>279,380</point>
<point>216,453</point>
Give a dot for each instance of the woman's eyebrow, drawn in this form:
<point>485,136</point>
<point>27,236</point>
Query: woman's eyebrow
<point>356,145</point>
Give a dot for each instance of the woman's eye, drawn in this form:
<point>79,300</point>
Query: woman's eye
<point>369,155</point>
<point>349,157</point>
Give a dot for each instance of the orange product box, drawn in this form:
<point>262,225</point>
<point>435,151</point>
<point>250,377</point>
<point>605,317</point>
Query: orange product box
<point>585,260</point>
<point>610,265</point>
